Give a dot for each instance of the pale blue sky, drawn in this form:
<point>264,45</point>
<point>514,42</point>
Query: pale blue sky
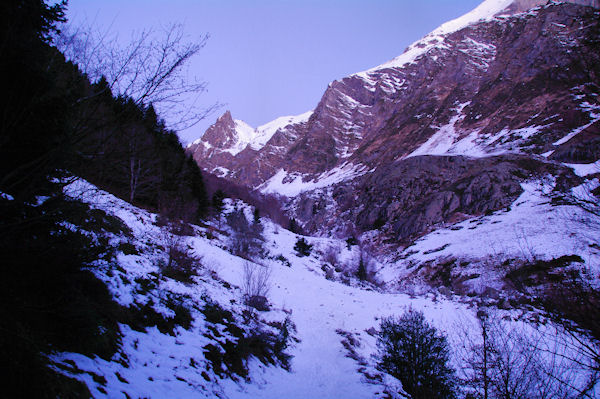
<point>270,58</point>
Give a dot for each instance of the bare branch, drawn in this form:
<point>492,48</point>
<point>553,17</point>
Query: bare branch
<point>152,69</point>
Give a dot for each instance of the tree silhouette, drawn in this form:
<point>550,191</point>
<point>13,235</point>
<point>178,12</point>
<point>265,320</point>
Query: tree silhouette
<point>415,353</point>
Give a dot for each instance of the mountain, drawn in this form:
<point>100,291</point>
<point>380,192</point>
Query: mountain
<point>450,194</point>
<point>451,127</point>
<point>229,142</point>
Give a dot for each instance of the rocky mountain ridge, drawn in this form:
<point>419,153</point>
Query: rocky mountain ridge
<point>521,83</point>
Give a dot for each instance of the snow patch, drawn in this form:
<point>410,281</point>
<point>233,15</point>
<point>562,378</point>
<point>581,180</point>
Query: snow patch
<point>7,197</point>
<point>220,171</point>
<point>594,112</point>
<point>292,184</point>
<point>442,140</point>
<point>264,133</point>
<point>447,141</point>
<point>585,169</point>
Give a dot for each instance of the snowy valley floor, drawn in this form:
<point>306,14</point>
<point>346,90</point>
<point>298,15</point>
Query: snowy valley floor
<point>325,313</point>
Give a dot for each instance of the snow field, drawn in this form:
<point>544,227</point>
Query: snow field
<point>531,228</point>
<point>159,365</point>
<point>292,184</point>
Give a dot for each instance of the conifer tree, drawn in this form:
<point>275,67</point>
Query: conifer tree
<point>416,354</point>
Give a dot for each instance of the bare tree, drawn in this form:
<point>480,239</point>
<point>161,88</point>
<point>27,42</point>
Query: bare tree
<point>256,285</point>
<point>152,68</point>
<point>510,360</point>
<point>247,238</point>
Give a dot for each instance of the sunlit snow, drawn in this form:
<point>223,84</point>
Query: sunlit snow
<point>292,184</point>
<point>486,10</point>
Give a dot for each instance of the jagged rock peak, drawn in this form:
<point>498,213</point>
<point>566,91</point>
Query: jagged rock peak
<point>222,132</point>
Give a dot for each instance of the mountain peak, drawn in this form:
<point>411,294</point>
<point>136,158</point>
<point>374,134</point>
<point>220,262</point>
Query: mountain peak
<point>226,116</point>
<point>222,133</point>
<point>484,11</point>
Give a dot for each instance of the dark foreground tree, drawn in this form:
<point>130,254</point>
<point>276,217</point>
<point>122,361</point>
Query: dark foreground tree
<point>416,354</point>
<point>302,247</point>
<point>51,299</point>
<point>33,101</point>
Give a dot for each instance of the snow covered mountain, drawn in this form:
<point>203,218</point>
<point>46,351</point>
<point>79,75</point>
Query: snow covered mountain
<point>505,91</point>
<point>228,141</point>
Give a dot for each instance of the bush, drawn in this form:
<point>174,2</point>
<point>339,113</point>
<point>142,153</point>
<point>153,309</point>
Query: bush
<point>283,260</point>
<point>302,248</point>
<point>247,237</point>
<point>181,263</point>
<point>331,255</point>
<point>256,285</point>
<point>350,241</point>
<point>141,316</point>
<point>412,351</point>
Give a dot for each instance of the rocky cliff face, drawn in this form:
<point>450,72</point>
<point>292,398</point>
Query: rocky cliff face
<point>407,199</point>
<point>449,127</point>
<point>524,5</point>
<point>222,135</point>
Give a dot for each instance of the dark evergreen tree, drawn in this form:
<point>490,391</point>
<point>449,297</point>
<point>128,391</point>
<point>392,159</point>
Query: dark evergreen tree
<point>34,101</point>
<point>196,183</point>
<point>416,354</point>
<point>361,271</point>
<point>294,228</point>
<point>350,241</point>
<point>256,216</point>
<point>302,247</point>
<point>218,201</point>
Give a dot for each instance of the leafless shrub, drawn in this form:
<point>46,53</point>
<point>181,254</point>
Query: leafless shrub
<point>331,255</point>
<point>256,285</point>
<point>513,360</point>
<point>181,262</point>
<point>526,247</point>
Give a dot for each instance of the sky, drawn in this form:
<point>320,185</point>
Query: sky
<point>270,58</point>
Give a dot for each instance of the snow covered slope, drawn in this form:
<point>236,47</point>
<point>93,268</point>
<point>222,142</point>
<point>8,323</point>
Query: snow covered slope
<point>331,316</point>
<point>263,134</point>
<point>488,247</point>
<point>486,10</point>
